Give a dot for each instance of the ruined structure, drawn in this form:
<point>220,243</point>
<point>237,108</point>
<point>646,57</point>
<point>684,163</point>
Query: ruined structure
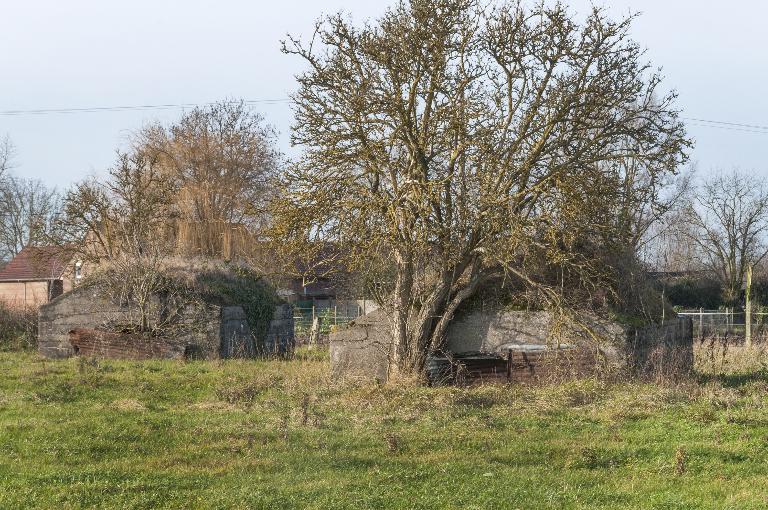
<point>85,322</point>
<point>515,346</point>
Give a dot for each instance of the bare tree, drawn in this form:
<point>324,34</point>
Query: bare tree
<point>460,143</point>
<point>27,212</point>
<point>222,159</point>
<point>7,153</point>
<point>728,219</point>
<point>27,207</point>
<point>130,212</point>
<point>124,224</point>
<point>649,202</point>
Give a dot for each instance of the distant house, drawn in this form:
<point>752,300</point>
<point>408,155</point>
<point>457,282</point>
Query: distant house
<point>321,283</point>
<point>38,274</point>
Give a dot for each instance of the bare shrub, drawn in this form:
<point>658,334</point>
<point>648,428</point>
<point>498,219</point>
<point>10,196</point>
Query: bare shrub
<point>18,328</point>
<point>283,429</point>
<point>667,364</point>
<point>245,393</point>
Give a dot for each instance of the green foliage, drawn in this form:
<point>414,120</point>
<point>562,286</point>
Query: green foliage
<point>694,293</point>
<point>281,434</point>
<point>760,292</point>
<point>234,285</point>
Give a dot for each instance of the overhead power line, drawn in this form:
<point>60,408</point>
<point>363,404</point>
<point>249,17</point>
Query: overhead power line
<point>718,123</point>
<point>743,130</point>
<point>99,109</point>
<point>692,121</point>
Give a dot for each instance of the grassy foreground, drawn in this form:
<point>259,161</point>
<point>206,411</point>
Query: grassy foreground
<point>279,434</point>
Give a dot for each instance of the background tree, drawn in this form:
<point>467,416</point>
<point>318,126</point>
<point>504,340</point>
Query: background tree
<point>459,143</point>
<point>27,212</point>
<point>727,220</point>
<point>649,203</point>
<point>123,225</point>
<point>7,152</point>
<point>222,160</point>
<point>130,212</point>
<point>27,207</point>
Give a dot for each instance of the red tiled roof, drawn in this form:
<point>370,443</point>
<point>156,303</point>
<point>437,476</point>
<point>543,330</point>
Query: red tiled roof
<point>37,263</point>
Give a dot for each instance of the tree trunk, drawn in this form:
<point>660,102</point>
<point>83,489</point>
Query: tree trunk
<point>427,324</point>
<point>401,307</point>
<point>438,336</point>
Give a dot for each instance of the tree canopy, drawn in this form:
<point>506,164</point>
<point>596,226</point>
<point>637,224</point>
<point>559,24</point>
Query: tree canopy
<point>460,142</point>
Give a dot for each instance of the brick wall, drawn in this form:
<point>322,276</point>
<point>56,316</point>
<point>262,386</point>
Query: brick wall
<point>21,294</point>
<point>517,366</point>
<point>102,344</point>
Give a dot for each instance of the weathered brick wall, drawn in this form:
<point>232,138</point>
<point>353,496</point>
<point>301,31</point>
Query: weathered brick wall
<point>553,365</point>
<point>103,344</point>
<point>517,366</point>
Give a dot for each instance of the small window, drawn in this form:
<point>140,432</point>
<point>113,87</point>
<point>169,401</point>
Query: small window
<point>78,270</point>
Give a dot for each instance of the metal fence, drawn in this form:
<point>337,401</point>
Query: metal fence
<point>330,318</point>
<point>726,322</point>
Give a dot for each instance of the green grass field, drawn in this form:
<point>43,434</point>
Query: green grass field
<point>280,434</point>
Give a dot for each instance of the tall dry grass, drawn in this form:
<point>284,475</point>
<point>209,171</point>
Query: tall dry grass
<point>18,328</point>
<point>721,354</point>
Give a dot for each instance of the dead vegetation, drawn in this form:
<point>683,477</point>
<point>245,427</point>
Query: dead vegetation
<point>18,328</point>
<point>288,418</point>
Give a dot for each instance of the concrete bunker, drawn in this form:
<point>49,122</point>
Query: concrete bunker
<point>518,346</point>
<point>88,323</point>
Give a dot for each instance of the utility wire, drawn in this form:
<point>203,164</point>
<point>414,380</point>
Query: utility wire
<point>693,121</point>
<point>99,109</point>
<point>720,122</point>
<point>743,130</point>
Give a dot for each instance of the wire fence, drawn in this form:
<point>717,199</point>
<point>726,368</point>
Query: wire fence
<point>330,318</point>
<point>726,322</point>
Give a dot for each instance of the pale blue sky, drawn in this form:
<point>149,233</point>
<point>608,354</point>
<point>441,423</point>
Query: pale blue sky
<point>97,53</point>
